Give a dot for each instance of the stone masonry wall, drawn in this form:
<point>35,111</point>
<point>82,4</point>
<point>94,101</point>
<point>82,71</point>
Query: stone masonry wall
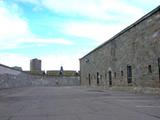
<point>10,78</point>
<point>137,46</point>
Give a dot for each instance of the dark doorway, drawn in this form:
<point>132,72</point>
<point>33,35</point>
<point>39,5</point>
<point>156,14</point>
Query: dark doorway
<point>159,68</point>
<point>129,74</point>
<point>97,78</point>
<point>159,73</point>
<point>89,79</point>
<point>110,78</point>
<point>149,69</point>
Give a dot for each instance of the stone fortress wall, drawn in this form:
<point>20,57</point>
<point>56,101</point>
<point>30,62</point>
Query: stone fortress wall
<point>10,78</point>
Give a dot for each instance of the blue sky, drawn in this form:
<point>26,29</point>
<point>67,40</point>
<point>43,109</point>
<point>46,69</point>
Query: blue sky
<point>59,32</point>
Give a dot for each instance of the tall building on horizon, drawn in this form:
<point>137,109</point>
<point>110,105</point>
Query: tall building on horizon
<point>35,65</point>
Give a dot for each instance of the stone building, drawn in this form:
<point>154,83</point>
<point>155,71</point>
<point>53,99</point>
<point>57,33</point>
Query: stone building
<point>52,72</point>
<point>131,57</point>
<point>65,73</point>
<point>35,65</point>
<point>62,73</point>
<point>17,68</point>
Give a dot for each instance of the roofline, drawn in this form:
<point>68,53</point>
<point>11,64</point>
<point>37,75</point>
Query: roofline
<point>25,72</point>
<point>11,68</point>
<point>63,70</point>
<point>126,29</point>
<point>15,69</point>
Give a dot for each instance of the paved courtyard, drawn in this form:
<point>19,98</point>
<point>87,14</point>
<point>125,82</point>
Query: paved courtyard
<point>75,103</point>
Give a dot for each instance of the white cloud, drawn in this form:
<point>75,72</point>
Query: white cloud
<point>87,8</point>
<point>14,30</point>
<point>96,9</point>
<point>53,62</point>
<point>29,1</point>
<point>12,27</point>
<point>15,60</point>
<point>46,41</point>
<point>94,31</point>
<point>150,2</point>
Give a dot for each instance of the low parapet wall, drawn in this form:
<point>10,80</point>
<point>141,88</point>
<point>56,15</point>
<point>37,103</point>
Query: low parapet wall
<point>10,78</point>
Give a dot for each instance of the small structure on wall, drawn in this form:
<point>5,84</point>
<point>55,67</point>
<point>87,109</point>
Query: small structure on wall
<point>62,72</point>
<point>17,68</point>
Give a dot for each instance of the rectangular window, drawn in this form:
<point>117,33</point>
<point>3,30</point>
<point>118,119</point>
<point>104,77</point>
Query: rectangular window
<point>129,74</point>
<point>159,68</point>
<point>149,68</point>
<point>98,78</point>
<point>110,78</point>
<point>89,78</point>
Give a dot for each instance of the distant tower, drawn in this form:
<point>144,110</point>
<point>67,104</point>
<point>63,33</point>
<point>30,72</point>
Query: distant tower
<point>35,65</point>
<point>61,71</point>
